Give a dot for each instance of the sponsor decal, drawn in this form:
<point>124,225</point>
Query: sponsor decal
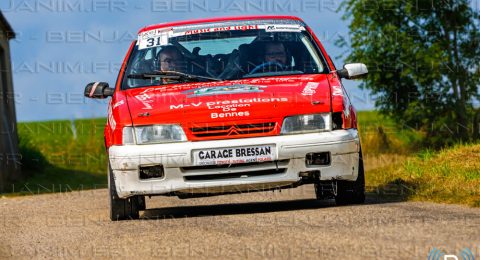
<point>234,155</point>
<point>119,103</point>
<point>234,103</point>
<point>219,29</point>
<point>337,90</point>
<point>229,108</point>
<point>145,99</point>
<point>223,90</point>
<point>310,88</point>
<point>283,28</point>
<point>180,106</point>
<point>111,119</point>
<point>346,106</point>
<point>231,114</point>
<point>274,80</point>
<point>226,106</point>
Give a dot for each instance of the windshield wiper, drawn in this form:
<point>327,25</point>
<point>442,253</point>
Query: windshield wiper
<point>170,75</point>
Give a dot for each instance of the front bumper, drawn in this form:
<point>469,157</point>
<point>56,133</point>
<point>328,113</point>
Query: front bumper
<point>181,177</point>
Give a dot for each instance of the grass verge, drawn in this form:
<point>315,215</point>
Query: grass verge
<point>381,135</point>
<point>60,156</point>
<point>449,176</point>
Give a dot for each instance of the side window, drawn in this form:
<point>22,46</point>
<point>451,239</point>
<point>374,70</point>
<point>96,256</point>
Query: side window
<point>144,62</point>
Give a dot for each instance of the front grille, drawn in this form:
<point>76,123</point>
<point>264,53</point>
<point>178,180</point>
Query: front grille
<point>233,130</point>
<point>233,171</point>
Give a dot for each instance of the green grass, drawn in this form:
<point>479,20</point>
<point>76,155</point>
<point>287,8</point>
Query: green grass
<point>451,175</point>
<point>56,141</point>
<point>397,166</point>
<point>61,155</point>
<point>380,135</point>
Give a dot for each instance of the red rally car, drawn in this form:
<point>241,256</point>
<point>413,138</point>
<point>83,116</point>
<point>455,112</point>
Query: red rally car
<point>228,105</point>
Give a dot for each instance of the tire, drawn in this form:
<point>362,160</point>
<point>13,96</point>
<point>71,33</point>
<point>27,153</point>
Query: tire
<point>121,209</point>
<point>352,192</point>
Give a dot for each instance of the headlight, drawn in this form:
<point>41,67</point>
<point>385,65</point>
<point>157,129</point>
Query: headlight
<point>153,134</point>
<point>307,124</point>
<point>159,134</point>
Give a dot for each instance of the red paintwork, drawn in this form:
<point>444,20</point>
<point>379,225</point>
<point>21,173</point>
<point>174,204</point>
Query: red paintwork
<point>121,114</point>
<point>281,97</point>
<point>163,103</point>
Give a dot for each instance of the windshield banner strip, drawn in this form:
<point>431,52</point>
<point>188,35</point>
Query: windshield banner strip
<point>159,37</point>
<point>237,23</point>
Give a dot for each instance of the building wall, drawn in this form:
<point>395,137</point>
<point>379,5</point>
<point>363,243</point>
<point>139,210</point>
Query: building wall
<point>10,169</point>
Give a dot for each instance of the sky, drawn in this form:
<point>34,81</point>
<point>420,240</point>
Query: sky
<point>62,45</point>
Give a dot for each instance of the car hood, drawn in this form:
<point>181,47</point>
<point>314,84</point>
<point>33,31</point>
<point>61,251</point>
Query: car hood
<point>247,99</point>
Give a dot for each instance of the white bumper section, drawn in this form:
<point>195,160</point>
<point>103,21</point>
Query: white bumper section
<point>176,159</point>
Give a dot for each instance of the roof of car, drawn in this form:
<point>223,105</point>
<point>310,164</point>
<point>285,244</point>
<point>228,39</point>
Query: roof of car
<point>217,19</point>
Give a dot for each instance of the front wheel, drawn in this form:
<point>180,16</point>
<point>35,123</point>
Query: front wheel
<point>121,209</point>
<point>352,192</point>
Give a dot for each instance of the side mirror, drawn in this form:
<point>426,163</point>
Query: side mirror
<point>98,90</point>
<point>353,71</point>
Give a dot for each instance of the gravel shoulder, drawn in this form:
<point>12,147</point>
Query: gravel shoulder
<point>284,225</point>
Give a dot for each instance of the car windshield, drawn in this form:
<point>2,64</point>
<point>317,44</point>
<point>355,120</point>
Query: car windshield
<point>222,51</point>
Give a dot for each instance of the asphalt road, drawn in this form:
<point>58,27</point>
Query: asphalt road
<point>285,225</point>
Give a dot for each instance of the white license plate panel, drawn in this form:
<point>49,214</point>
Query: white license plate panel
<point>234,155</point>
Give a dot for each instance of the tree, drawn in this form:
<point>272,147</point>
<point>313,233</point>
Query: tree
<point>423,58</point>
